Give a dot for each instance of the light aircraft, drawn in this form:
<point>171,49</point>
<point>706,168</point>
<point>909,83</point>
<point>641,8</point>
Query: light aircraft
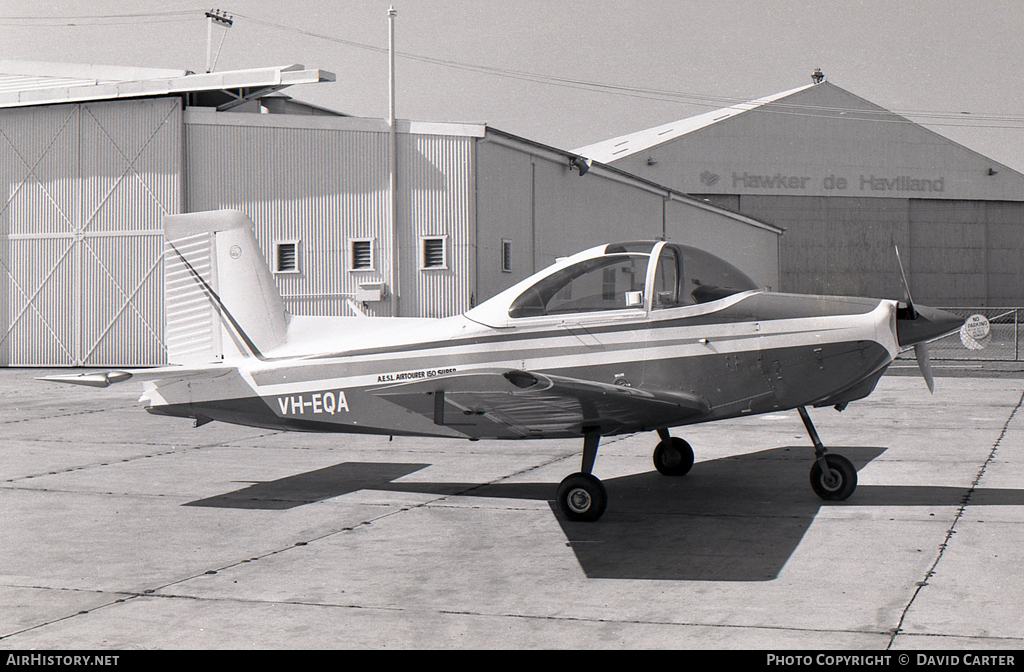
<point>620,338</point>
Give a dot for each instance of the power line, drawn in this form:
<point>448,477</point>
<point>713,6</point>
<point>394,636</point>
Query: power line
<point>55,17</point>
<point>78,20</point>
<point>934,117</point>
<point>961,119</point>
<point>81,24</point>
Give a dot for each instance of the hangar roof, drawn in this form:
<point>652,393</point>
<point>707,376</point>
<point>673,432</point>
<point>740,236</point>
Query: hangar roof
<point>815,140</point>
<point>26,83</point>
<point>616,148</point>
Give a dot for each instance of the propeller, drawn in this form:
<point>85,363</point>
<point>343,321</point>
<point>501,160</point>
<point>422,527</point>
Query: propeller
<point>916,325</point>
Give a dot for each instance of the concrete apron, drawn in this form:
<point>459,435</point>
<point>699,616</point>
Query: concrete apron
<point>123,530</point>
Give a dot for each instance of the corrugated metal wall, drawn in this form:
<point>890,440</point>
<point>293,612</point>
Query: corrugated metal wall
<point>436,180</point>
<point>1005,221</point>
<point>324,182</point>
<point>836,245</point>
<point>318,185</point>
<point>38,252</point>
<point>955,253</point>
<point>81,244</point>
<point>967,253</point>
<point>505,196</point>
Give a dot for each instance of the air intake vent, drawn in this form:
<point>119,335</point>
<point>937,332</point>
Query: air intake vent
<point>434,253</point>
<point>506,256</point>
<point>286,257</point>
<point>362,255</point>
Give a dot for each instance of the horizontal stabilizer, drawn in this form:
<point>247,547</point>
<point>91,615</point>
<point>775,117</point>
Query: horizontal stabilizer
<point>108,378</point>
<point>92,379</point>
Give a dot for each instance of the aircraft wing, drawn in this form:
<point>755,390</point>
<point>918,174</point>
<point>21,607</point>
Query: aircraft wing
<point>521,404</point>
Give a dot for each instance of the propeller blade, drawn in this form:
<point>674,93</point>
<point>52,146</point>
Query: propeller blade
<point>911,312</point>
<point>921,353</point>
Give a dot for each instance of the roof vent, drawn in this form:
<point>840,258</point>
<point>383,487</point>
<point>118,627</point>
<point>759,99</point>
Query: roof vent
<point>818,77</point>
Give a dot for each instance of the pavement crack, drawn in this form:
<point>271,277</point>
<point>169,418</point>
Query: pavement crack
<point>124,596</point>
<point>961,509</point>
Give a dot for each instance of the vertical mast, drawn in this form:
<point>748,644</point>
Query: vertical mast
<point>393,167</point>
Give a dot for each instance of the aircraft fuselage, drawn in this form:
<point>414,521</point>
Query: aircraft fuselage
<point>749,353</point>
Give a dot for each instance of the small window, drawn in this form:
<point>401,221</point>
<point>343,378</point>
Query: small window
<point>361,257</point>
<point>286,256</point>
<point>434,255</point>
<point>506,256</point>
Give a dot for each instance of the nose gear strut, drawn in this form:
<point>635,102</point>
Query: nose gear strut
<point>833,477</point>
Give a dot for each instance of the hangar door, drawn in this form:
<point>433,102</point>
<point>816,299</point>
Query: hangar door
<point>83,189</point>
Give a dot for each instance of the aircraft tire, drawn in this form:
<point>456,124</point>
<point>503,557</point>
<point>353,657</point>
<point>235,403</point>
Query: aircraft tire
<point>845,473</point>
<point>673,457</point>
<point>582,497</point>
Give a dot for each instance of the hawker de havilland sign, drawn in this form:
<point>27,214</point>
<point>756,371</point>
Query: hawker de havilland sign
<point>867,182</point>
<point>620,338</point>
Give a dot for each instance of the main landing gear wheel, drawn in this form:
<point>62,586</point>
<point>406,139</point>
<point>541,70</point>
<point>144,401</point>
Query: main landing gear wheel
<point>840,481</point>
<point>673,457</point>
<point>582,497</point>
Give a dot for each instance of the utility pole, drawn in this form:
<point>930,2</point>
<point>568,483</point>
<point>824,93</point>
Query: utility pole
<point>393,167</point>
<point>221,19</point>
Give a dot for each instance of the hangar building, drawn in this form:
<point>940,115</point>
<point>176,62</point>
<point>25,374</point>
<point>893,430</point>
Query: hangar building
<point>847,180</point>
<point>92,158</point>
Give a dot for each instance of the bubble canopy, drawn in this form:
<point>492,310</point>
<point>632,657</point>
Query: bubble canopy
<point>632,276</point>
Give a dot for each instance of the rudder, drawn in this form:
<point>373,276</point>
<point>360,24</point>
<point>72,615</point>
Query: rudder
<point>220,297</point>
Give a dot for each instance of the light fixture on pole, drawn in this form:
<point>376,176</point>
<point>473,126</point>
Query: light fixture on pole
<point>221,19</point>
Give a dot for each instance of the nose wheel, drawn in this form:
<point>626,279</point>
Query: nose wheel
<point>836,481</point>
<point>833,477</point>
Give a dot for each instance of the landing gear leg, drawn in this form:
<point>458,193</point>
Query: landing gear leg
<point>582,497</point>
<point>833,477</point>
<point>672,456</point>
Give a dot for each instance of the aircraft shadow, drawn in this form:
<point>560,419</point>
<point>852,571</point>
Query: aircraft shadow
<point>732,519</point>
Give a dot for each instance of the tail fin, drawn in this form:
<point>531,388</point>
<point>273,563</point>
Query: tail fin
<point>220,298</point>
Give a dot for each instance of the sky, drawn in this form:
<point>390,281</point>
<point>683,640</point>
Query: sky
<point>568,73</point>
